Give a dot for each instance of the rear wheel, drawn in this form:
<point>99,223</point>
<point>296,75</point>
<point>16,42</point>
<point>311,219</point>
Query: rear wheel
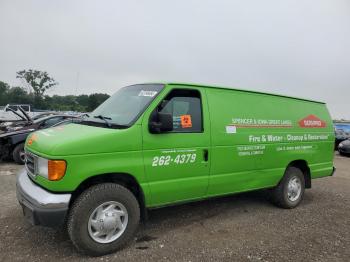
<point>103,219</point>
<point>18,154</point>
<point>290,190</point>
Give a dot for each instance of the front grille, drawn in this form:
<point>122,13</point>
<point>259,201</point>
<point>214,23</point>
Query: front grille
<point>30,163</point>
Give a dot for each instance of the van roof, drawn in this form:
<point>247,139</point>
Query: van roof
<point>242,90</point>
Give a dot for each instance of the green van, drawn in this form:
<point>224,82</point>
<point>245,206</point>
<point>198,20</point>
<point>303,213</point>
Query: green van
<point>152,145</point>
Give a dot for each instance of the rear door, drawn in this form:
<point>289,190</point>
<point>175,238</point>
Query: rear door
<point>176,162</point>
<point>233,157</point>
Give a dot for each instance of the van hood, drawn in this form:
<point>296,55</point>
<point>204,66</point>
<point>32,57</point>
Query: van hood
<point>78,139</point>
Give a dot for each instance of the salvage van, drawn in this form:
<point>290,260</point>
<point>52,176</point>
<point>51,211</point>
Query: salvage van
<point>154,145</point>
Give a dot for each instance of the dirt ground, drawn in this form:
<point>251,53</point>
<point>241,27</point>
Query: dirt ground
<point>244,227</point>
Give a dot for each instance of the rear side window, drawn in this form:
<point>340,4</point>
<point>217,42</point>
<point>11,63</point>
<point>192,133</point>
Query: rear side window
<point>186,109</point>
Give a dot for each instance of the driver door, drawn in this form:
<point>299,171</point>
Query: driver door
<point>177,162</point>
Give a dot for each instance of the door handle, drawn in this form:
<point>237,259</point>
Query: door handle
<point>205,155</point>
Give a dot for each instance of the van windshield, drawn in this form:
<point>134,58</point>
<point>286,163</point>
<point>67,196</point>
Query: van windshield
<point>125,106</point>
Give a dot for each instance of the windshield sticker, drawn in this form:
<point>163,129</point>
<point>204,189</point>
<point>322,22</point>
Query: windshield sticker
<point>147,93</point>
<point>186,121</point>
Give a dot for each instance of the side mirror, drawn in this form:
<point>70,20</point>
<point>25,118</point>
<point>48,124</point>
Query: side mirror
<point>161,122</point>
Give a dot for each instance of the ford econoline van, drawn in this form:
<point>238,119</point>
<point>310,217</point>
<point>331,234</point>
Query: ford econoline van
<point>152,145</point>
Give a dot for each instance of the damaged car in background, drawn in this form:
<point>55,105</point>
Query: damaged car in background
<point>344,147</point>
<point>5,126</point>
<point>13,135</point>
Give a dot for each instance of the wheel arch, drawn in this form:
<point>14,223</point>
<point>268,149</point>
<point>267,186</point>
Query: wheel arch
<point>123,179</point>
<point>13,146</point>
<point>304,167</point>
<point>17,138</point>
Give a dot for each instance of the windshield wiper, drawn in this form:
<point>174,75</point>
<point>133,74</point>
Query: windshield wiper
<point>104,118</point>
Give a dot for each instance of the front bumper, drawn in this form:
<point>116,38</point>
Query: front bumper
<point>39,206</point>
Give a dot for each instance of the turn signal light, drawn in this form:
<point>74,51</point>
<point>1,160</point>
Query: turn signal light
<point>56,169</point>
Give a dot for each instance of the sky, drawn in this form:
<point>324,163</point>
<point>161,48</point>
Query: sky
<point>290,47</point>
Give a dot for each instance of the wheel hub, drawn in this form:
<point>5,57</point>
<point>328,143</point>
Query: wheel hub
<point>108,222</point>
<point>22,155</point>
<point>294,189</point>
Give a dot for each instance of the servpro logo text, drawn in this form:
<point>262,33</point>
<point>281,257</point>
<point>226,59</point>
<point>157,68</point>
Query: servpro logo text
<point>312,121</point>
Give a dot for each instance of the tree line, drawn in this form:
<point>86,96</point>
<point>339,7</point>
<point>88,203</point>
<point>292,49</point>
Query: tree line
<point>38,82</point>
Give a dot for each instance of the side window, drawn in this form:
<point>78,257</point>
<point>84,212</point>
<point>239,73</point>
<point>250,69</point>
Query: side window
<point>49,122</point>
<point>186,109</point>
<point>25,108</point>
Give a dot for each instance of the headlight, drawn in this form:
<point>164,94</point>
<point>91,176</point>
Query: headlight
<point>42,167</point>
<point>51,169</point>
<point>340,145</point>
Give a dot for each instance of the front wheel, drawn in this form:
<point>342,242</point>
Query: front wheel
<point>290,191</point>
<point>103,219</point>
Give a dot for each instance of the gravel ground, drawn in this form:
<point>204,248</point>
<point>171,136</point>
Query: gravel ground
<point>244,227</point>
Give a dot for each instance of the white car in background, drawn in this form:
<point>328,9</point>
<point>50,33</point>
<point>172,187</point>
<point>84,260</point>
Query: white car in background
<point>8,112</point>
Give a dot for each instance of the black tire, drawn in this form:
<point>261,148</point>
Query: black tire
<point>17,154</point>
<point>342,153</point>
<point>84,206</point>
<point>280,192</point>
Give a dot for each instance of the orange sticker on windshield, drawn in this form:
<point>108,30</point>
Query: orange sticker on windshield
<point>186,121</point>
